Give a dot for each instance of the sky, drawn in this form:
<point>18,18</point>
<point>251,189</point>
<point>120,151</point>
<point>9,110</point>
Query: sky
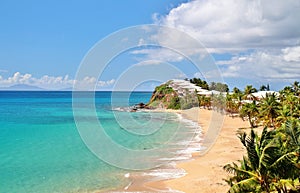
<point>42,43</point>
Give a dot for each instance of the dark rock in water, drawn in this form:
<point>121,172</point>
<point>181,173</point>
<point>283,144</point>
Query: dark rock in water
<point>140,106</point>
<point>133,109</point>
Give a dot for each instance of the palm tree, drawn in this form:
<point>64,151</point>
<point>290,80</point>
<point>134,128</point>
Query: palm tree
<point>267,167</point>
<point>272,163</point>
<point>252,175</point>
<point>204,101</point>
<point>287,89</point>
<point>268,109</point>
<point>284,114</point>
<point>296,88</point>
<point>250,111</point>
<point>232,104</point>
<point>237,94</point>
<point>249,89</point>
<point>264,88</point>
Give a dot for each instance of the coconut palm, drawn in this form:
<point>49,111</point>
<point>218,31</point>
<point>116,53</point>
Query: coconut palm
<point>268,109</point>
<point>252,175</point>
<point>250,110</point>
<point>296,88</point>
<point>284,114</point>
<point>264,88</point>
<point>232,104</point>
<point>249,89</point>
<point>268,166</point>
<point>237,94</point>
<point>204,101</point>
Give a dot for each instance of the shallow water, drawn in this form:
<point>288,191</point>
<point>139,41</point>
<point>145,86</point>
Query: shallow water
<point>42,151</point>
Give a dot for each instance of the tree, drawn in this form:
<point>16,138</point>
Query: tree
<point>201,83</point>
<point>236,90</point>
<point>265,167</point>
<point>284,114</point>
<point>232,104</point>
<point>252,174</point>
<point>219,87</point>
<point>250,111</point>
<point>296,88</point>
<point>249,89</point>
<point>268,109</point>
<point>272,162</point>
<point>264,88</point>
<point>204,101</point>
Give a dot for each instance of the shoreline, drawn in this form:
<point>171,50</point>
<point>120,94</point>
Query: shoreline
<point>204,173</point>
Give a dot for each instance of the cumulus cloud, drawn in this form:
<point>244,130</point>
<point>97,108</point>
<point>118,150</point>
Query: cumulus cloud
<point>51,82</point>
<point>262,35</point>
<point>291,54</point>
<point>238,24</point>
<point>282,64</point>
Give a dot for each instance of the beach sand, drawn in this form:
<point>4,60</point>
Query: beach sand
<point>205,172</point>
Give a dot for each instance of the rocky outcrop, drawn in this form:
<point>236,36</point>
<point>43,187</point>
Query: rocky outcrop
<point>164,97</point>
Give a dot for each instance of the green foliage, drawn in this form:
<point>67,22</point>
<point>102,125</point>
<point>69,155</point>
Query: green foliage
<point>250,110</point>
<point>272,162</point>
<point>174,103</point>
<point>269,107</point>
<point>189,101</point>
<point>202,83</point>
<point>164,89</point>
<point>264,87</point>
<point>219,87</point>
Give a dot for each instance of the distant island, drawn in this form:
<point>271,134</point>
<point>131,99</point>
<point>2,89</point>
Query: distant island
<point>26,87</point>
<point>21,87</point>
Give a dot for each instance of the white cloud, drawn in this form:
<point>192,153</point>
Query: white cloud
<point>262,35</point>
<point>283,64</point>
<point>51,82</point>
<point>1,70</point>
<point>149,62</point>
<point>291,54</point>
<point>158,54</point>
<point>238,24</point>
<point>105,83</point>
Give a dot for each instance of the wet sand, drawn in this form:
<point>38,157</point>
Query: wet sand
<point>205,172</point>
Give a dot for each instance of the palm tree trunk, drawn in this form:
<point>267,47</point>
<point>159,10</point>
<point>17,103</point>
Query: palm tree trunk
<point>250,121</point>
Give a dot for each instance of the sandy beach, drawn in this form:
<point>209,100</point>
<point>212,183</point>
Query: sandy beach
<point>205,172</point>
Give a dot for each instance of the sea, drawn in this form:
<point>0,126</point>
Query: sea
<point>42,150</point>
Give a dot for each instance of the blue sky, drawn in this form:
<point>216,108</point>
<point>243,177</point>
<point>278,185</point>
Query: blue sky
<point>51,37</point>
<point>43,42</point>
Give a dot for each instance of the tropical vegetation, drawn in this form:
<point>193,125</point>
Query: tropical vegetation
<point>272,161</point>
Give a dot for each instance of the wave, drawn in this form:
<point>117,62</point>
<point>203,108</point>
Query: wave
<point>182,150</point>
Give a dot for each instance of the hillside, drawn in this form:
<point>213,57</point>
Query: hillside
<point>165,96</point>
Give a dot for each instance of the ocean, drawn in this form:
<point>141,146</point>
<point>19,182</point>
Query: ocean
<point>42,150</point>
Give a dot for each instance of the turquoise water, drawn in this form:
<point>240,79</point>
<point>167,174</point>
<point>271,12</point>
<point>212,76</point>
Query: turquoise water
<point>42,151</point>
